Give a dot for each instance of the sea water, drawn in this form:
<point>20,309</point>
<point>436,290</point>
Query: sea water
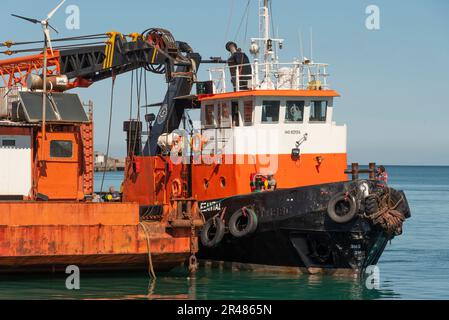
<point>414,266</point>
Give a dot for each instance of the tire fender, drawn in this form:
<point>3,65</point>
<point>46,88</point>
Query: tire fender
<point>213,225</point>
<point>251,226</point>
<point>332,208</point>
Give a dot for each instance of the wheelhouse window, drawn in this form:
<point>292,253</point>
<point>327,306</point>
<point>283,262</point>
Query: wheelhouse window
<point>294,111</point>
<point>61,149</point>
<point>224,115</point>
<point>318,111</point>
<point>210,115</point>
<point>8,143</point>
<point>235,114</point>
<point>270,111</point>
<point>248,111</point>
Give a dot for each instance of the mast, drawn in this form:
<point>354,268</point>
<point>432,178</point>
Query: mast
<point>265,57</point>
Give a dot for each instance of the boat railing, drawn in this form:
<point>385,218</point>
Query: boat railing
<point>270,76</point>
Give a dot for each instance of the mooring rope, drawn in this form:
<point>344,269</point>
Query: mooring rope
<point>388,217</point>
<point>151,272</point>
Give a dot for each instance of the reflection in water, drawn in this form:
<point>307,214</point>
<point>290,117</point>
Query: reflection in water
<point>207,284</point>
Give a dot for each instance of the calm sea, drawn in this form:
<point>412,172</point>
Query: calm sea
<point>414,266</point>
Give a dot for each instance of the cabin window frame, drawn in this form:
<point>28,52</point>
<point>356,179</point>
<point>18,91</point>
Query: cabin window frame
<point>262,104</point>
<point>222,106</point>
<point>59,157</point>
<point>326,113</point>
<point>237,104</point>
<point>214,123</point>
<point>286,110</point>
<point>8,143</point>
<point>243,113</point>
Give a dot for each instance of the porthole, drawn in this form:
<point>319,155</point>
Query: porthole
<point>223,182</point>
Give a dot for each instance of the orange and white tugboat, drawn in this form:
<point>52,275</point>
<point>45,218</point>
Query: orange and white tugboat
<point>266,170</point>
<point>277,192</point>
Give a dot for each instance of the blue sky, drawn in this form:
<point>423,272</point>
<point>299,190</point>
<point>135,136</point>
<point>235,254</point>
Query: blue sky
<point>394,81</point>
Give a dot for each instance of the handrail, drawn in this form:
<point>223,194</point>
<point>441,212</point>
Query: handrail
<point>273,76</point>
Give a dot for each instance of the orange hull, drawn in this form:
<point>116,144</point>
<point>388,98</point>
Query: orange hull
<point>307,171</point>
<point>47,236</point>
<point>226,180</point>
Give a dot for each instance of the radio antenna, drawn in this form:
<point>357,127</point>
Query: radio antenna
<point>301,47</point>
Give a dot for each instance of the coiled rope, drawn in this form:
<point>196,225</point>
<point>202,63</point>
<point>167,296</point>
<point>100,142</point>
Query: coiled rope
<point>388,217</point>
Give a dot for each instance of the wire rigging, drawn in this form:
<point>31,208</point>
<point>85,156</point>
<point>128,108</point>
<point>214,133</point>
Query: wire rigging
<point>245,15</point>
<point>79,38</point>
<point>109,135</point>
<point>228,26</point>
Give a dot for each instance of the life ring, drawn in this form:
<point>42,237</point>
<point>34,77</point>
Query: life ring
<point>243,223</point>
<point>176,188</point>
<point>197,147</point>
<point>342,208</point>
<point>213,232</point>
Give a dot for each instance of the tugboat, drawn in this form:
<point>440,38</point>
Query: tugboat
<point>279,194</point>
<point>266,174</point>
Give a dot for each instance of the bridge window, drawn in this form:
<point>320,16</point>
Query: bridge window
<point>270,111</point>
<point>318,111</point>
<point>294,111</point>
<point>235,114</point>
<point>248,111</point>
<point>61,149</point>
<point>224,115</point>
<point>210,115</point>
<point>8,143</point>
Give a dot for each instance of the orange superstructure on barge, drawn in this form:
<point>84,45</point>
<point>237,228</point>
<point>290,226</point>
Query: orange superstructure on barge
<point>50,216</point>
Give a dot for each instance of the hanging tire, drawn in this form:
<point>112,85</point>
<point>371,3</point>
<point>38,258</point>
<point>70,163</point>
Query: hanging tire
<point>213,232</point>
<point>371,205</point>
<point>342,208</point>
<point>243,223</point>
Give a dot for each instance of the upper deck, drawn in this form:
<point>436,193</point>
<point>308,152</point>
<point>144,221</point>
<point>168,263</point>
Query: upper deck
<point>290,79</point>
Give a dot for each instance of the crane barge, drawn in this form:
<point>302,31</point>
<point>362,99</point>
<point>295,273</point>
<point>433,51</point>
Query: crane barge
<point>49,216</point>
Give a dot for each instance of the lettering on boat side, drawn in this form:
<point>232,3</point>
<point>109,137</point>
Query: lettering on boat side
<point>372,22</point>
<point>210,206</point>
<point>373,278</point>
<point>73,280</point>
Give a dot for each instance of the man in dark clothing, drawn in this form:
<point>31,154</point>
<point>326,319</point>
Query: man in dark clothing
<point>239,60</point>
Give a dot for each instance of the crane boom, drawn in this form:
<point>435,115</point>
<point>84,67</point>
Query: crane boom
<point>156,50</point>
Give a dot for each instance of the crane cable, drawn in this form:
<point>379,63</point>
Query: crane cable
<point>245,15</point>
<point>138,91</point>
<point>109,134</point>
<point>228,26</point>
<point>79,38</point>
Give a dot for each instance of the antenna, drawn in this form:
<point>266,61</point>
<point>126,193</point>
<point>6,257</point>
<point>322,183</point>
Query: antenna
<point>301,47</point>
<point>47,42</point>
<point>311,44</point>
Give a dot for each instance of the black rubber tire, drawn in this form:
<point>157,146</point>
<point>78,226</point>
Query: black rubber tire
<point>371,205</point>
<point>250,227</point>
<point>347,216</point>
<point>213,225</point>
